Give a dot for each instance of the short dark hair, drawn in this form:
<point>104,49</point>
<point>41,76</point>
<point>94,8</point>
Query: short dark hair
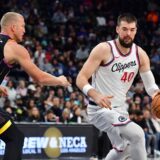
<point>128,17</point>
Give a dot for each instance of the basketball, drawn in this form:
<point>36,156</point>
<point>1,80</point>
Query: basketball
<point>156,106</point>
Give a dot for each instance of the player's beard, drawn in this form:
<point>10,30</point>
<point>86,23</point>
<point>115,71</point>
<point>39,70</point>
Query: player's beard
<point>124,44</point>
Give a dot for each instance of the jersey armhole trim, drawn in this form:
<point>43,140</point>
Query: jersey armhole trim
<point>9,65</point>
<point>137,55</point>
<point>108,63</point>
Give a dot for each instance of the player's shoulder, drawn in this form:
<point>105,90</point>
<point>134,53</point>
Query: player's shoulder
<point>13,50</point>
<point>141,51</point>
<point>101,51</point>
<point>143,56</point>
<point>102,46</point>
<point>11,44</point>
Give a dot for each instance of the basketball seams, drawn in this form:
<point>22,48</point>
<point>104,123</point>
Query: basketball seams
<point>155,99</point>
<point>156,106</point>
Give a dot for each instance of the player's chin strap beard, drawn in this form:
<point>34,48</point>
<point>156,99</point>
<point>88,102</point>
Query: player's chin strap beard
<point>126,45</point>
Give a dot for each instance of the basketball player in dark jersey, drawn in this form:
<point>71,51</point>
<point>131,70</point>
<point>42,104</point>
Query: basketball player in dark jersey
<point>12,31</point>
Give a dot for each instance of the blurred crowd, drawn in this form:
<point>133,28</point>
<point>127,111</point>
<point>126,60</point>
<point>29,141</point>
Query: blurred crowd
<point>59,37</point>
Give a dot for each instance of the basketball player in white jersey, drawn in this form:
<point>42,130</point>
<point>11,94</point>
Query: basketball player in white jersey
<point>113,66</point>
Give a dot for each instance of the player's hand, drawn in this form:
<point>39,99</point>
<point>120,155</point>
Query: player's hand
<point>104,101</point>
<point>63,81</point>
<point>3,91</point>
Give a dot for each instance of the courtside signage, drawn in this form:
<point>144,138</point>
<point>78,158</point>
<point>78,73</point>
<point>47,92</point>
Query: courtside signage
<point>53,142</point>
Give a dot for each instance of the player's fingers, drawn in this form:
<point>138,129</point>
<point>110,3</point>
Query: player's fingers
<point>107,101</point>
<point>67,84</point>
<point>109,97</point>
<point>106,104</point>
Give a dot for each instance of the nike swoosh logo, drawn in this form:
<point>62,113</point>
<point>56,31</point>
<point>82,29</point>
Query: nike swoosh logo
<point>116,57</point>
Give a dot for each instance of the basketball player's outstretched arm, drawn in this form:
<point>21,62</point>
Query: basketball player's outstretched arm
<point>16,53</point>
<point>98,55</point>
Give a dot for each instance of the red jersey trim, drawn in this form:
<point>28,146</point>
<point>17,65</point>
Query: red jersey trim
<point>137,55</point>
<point>108,63</point>
<point>121,124</point>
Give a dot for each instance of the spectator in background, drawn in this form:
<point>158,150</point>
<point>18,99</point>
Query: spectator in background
<point>35,115</point>
<point>72,70</point>
<point>155,61</point>
<point>65,118</point>
<point>156,123</point>
<point>59,16</point>
<point>56,107</point>
<point>82,52</point>
<point>11,91</point>
<point>39,92</point>
<point>31,103</point>
<point>140,120</point>
<point>21,88</point>
<point>39,56</point>
<point>50,116</point>
<point>57,67</point>
<point>146,102</point>
<point>48,102</point>
<point>60,93</point>
<point>77,116</point>
<point>10,111</point>
<point>68,105</point>
<point>47,66</point>
<point>84,114</point>
<point>151,134</point>
<point>31,90</point>
<point>152,17</point>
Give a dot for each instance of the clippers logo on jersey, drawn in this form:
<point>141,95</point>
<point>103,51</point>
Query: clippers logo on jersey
<point>122,119</point>
<point>121,67</point>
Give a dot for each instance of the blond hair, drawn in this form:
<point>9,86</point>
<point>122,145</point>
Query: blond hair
<point>9,18</point>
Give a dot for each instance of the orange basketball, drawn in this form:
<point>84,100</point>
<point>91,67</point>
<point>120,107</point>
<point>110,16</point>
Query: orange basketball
<point>156,106</point>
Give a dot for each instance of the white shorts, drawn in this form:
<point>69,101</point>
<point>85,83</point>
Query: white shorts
<point>108,121</point>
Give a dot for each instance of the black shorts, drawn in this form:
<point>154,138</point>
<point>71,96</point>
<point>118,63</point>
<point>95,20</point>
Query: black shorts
<point>4,117</point>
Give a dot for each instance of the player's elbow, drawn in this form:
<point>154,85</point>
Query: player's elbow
<point>78,81</point>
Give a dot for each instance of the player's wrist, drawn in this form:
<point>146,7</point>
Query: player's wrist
<point>86,89</point>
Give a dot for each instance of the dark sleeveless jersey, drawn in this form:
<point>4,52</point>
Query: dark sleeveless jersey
<point>4,67</point>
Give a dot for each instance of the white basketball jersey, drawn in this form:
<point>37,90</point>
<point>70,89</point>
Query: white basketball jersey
<point>115,78</point>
